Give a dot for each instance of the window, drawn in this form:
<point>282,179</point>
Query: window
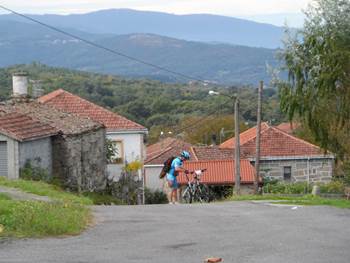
<point>287,173</point>
<point>118,152</point>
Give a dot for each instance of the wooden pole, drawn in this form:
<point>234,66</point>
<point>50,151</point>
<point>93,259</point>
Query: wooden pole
<point>237,150</point>
<point>258,131</point>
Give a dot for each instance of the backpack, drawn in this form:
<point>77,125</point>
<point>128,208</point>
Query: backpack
<point>167,166</point>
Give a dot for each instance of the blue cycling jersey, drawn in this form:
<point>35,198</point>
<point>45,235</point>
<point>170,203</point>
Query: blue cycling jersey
<point>177,162</point>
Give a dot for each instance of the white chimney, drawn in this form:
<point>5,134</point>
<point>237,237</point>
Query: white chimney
<point>20,84</point>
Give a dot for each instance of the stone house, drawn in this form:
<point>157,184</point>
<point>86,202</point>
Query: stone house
<point>284,156</point>
<point>128,137</point>
<point>68,146</point>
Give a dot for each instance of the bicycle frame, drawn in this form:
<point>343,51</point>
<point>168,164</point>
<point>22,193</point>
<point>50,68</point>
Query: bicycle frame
<point>193,191</point>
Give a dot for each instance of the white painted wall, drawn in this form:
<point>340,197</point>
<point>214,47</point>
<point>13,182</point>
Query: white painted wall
<point>133,149</point>
<point>152,180</point>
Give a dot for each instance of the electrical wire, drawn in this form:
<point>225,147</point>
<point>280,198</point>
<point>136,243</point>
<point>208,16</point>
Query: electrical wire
<point>179,131</point>
<point>184,76</point>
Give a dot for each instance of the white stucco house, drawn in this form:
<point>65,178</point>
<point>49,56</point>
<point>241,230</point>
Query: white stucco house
<point>128,136</point>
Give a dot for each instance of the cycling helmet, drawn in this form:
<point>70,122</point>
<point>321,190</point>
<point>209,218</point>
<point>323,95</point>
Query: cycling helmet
<point>185,155</point>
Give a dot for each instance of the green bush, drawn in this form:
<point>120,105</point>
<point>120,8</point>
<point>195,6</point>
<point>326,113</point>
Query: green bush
<point>34,173</point>
<point>287,188</point>
<point>333,187</point>
<point>103,198</point>
<point>221,192</point>
<point>155,197</point>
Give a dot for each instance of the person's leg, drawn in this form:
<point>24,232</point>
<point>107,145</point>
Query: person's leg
<point>170,191</point>
<point>175,187</point>
<point>174,195</point>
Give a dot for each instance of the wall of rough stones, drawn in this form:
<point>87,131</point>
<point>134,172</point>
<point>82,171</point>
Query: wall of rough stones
<point>313,170</point>
<point>79,161</point>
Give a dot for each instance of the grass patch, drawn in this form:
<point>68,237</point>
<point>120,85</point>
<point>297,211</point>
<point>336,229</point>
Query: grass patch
<point>44,189</point>
<point>66,215</point>
<point>38,219</point>
<point>303,200</point>
<point>4,197</point>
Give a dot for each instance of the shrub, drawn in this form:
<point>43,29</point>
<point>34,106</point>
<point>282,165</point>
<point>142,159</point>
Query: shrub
<point>155,197</point>
<point>128,188</point>
<point>287,188</point>
<point>103,198</point>
<point>333,187</point>
<point>34,172</point>
<point>221,192</point>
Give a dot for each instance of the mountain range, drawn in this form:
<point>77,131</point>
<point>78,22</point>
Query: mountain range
<point>196,27</point>
<point>22,42</point>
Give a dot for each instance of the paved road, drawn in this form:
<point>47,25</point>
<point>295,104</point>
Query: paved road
<point>237,232</point>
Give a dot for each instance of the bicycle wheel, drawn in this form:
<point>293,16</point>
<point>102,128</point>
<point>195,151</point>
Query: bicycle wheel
<point>187,195</point>
<point>204,193</point>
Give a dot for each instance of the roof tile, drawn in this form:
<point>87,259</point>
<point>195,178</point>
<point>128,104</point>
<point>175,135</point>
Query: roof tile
<point>22,128</point>
<point>274,142</point>
<point>71,103</point>
<point>64,122</point>
<point>219,172</point>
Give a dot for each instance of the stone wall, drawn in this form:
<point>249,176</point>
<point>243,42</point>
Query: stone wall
<point>80,160</point>
<point>303,170</point>
<point>38,152</point>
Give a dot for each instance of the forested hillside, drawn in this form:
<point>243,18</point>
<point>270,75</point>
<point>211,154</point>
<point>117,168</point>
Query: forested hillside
<point>197,27</point>
<point>220,63</point>
<point>158,106</point>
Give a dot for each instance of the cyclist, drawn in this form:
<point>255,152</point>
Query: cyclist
<point>176,167</point>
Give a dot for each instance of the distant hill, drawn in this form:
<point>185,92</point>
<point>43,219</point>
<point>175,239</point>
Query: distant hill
<point>157,105</point>
<point>198,27</point>
<point>221,63</point>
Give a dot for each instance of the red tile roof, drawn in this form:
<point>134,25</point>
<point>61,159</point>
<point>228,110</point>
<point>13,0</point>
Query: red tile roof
<point>204,153</point>
<point>71,103</point>
<point>67,123</point>
<point>21,127</point>
<point>288,127</point>
<point>219,172</point>
<point>275,142</point>
<point>159,152</point>
<point>244,137</point>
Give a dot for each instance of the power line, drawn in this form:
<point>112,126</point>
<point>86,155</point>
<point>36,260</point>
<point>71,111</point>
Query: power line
<point>179,131</point>
<point>122,55</point>
<point>184,76</point>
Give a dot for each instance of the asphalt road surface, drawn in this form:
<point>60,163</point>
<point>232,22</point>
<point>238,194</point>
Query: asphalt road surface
<point>236,231</point>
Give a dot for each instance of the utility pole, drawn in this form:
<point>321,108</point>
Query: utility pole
<point>237,149</point>
<point>258,131</point>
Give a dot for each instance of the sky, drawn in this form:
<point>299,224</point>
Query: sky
<point>271,11</point>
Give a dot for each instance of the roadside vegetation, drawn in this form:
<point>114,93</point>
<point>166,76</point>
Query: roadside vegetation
<point>66,214</point>
<point>300,193</point>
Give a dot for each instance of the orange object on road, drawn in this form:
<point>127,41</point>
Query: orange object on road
<point>213,260</point>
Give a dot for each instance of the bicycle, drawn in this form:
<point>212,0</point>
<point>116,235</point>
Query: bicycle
<point>196,191</point>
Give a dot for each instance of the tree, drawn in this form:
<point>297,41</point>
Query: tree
<point>317,59</point>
